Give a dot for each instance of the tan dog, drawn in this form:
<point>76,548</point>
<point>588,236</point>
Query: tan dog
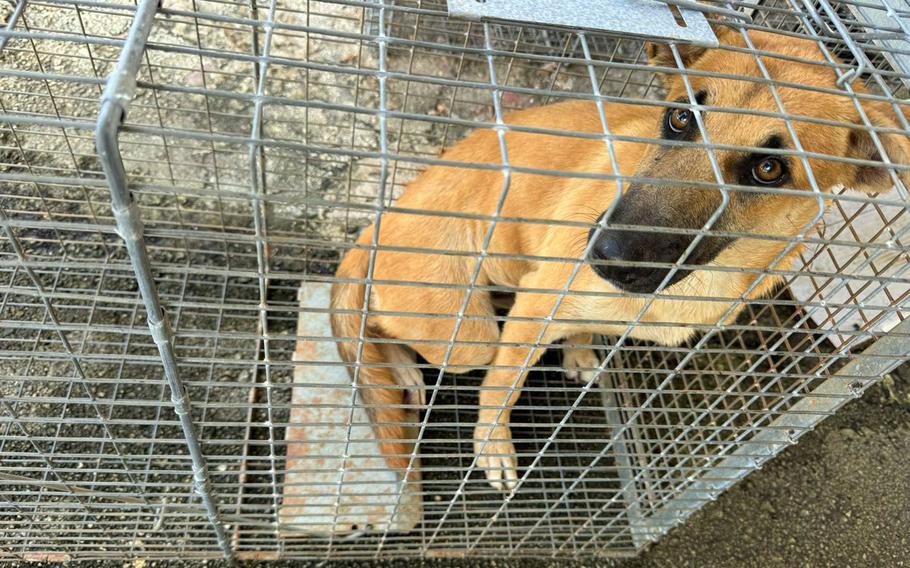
<point>602,290</point>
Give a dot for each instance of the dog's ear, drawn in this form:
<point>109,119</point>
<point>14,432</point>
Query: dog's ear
<point>661,54</point>
<point>869,178</point>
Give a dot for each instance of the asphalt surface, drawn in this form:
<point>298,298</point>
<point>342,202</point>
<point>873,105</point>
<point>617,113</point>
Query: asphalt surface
<point>840,497</point>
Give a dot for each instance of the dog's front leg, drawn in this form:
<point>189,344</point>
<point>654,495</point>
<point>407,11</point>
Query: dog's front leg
<point>501,386</point>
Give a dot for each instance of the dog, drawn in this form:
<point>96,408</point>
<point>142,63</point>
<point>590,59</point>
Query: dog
<point>429,244</point>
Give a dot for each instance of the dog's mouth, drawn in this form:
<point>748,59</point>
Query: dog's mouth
<point>630,278</point>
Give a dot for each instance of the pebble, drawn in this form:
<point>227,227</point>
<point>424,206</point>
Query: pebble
<point>848,433</point>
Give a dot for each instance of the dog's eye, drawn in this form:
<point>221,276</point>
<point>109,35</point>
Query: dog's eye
<point>678,119</point>
<point>769,171</point>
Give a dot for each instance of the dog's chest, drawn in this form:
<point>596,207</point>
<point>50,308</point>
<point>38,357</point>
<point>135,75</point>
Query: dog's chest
<point>666,322</point>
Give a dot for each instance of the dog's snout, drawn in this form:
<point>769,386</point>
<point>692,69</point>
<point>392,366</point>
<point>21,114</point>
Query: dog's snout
<point>649,231</point>
<point>622,257</point>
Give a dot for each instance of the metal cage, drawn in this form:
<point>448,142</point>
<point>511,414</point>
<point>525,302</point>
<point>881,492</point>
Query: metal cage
<point>173,173</point>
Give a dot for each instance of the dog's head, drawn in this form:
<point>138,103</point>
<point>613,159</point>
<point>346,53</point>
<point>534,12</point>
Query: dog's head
<point>757,148</point>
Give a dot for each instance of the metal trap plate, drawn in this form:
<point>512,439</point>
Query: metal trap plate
<point>636,17</point>
<point>325,493</point>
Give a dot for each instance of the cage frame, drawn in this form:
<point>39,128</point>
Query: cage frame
<point>834,390</point>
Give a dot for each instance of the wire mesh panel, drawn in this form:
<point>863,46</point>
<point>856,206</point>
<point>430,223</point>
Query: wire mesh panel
<point>259,142</point>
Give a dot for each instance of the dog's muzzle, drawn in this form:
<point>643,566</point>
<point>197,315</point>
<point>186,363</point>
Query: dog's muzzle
<point>622,258</point>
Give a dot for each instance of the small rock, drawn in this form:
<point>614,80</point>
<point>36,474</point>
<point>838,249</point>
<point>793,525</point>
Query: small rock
<point>440,110</point>
<point>848,433</point>
<point>194,79</point>
<point>767,507</point>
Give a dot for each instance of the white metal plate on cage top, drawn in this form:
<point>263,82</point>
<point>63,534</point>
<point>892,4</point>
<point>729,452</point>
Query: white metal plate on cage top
<point>638,17</point>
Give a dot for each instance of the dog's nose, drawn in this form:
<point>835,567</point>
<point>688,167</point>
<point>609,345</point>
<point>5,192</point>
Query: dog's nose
<point>609,246</point>
<point>614,254</point>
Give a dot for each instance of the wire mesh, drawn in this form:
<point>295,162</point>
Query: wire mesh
<point>262,138</point>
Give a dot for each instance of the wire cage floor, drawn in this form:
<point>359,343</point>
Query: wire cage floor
<point>257,139</point>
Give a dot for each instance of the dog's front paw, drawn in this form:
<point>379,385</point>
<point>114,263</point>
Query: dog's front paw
<point>580,364</point>
<point>415,391</point>
<point>496,456</point>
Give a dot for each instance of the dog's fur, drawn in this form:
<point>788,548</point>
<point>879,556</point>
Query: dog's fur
<point>467,192</point>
